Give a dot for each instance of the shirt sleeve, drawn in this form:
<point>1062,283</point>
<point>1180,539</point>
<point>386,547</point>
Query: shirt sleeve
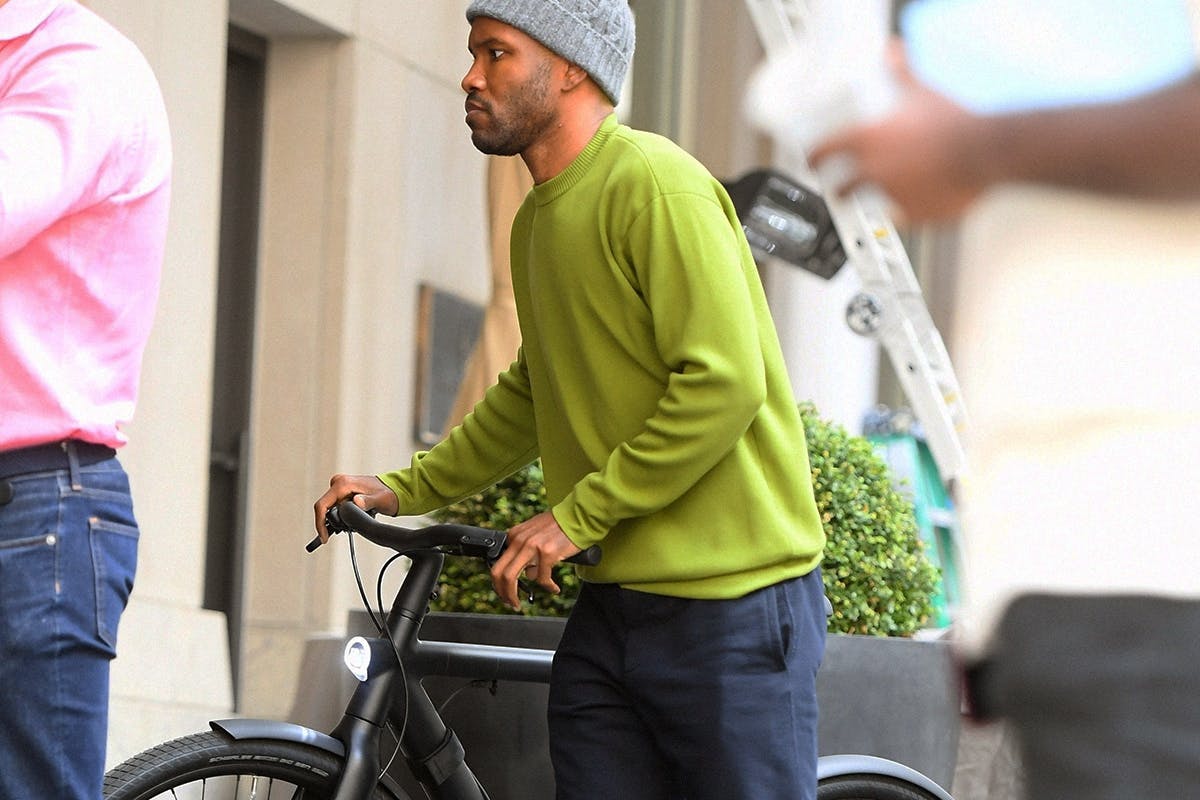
<point>60,124</point>
<point>496,439</point>
<point>690,262</point>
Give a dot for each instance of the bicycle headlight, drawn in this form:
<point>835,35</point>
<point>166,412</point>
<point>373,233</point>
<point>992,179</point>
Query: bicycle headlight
<point>357,657</point>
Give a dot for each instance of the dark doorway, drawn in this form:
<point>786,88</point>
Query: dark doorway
<point>233,360</point>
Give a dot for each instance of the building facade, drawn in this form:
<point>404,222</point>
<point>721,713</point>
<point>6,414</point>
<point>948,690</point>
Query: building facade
<point>323,175</point>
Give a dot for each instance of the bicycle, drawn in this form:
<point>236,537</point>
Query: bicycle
<point>249,758</point>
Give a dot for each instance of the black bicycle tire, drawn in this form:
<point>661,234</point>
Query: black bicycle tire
<point>870,787</point>
<point>211,754</point>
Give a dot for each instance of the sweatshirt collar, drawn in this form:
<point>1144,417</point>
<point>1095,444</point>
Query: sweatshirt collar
<point>561,183</point>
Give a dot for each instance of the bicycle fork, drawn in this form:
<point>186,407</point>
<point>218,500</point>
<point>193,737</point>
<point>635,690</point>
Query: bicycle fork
<point>433,751</point>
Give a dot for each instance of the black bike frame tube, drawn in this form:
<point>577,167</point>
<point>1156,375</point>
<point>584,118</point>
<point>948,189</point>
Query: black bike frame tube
<point>479,661</point>
<point>424,735</point>
<point>425,732</point>
<point>361,726</point>
<point>454,659</point>
<point>360,772</point>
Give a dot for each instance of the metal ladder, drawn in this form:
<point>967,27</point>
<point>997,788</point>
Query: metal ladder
<point>890,306</point>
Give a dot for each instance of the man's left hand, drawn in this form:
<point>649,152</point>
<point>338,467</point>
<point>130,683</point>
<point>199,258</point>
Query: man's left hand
<point>534,547</point>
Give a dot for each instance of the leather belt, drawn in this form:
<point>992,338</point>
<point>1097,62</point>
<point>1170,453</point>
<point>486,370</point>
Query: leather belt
<point>52,456</point>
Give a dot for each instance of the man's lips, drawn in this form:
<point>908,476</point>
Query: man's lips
<point>473,106</point>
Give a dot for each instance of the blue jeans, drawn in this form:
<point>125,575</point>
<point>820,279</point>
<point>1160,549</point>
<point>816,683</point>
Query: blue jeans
<point>68,551</point>
<point>657,698</point>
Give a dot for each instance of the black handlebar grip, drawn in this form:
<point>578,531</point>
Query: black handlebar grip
<point>333,524</point>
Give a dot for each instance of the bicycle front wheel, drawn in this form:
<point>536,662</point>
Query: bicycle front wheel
<point>869,787</point>
<point>213,765</point>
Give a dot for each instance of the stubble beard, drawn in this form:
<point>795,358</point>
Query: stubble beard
<point>529,115</point>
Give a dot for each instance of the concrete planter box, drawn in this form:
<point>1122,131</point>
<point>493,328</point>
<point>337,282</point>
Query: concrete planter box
<point>890,697</point>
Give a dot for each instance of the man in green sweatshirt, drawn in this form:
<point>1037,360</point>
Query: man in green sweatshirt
<point>651,383</point>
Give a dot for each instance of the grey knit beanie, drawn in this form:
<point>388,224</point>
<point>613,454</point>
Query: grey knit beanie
<point>595,34</point>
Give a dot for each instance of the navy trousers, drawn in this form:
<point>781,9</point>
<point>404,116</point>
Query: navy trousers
<point>657,698</point>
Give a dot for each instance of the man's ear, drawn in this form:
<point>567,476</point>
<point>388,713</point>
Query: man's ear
<point>574,76</point>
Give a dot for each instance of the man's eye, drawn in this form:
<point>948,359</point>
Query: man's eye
<point>496,54</point>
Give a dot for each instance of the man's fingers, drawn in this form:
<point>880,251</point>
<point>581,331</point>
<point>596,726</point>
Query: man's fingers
<point>506,576</point>
<point>323,504</point>
<point>505,573</point>
<point>534,547</point>
<point>367,491</point>
<point>545,577</point>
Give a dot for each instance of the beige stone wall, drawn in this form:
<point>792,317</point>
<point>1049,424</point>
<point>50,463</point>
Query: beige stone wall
<point>400,203</point>
<point>370,187</point>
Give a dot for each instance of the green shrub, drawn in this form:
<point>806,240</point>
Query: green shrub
<point>466,584</point>
<point>875,570</point>
<point>876,574</point>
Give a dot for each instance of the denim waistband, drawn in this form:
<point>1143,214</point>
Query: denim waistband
<point>52,456</point>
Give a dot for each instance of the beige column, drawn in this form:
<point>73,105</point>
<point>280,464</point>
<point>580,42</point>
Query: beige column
<point>172,671</point>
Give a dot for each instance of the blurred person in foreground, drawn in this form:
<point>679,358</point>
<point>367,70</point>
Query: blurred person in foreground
<point>652,385</point>
<point>1064,137</point>
<point>85,164</point>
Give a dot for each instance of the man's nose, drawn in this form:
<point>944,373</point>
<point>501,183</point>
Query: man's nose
<point>473,80</point>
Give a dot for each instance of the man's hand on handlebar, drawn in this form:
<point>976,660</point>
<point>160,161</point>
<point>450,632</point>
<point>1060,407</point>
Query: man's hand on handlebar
<point>367,491</point>
<point>534,547</point>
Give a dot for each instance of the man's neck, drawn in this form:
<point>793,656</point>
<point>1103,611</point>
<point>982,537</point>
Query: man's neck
<point>555,151</point>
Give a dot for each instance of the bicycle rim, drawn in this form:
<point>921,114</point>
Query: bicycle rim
<point>213,766</point>
<point>869,787</point>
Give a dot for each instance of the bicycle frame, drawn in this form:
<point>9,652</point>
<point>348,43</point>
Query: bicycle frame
<point>433,752</point>
<point>392,691</point>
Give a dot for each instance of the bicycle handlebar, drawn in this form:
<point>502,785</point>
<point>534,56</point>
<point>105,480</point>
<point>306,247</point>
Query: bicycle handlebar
<point>465,540</point>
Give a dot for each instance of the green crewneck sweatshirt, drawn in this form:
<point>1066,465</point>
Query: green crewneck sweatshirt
<point>650,381</point>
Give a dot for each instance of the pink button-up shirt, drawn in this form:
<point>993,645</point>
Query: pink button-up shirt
<point>85,164</point>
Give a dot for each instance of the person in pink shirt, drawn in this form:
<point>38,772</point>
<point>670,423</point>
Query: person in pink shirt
<point>85,170</point>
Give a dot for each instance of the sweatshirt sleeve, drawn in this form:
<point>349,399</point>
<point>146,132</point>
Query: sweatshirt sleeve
<point>496,439</point>
<point>690,262</point>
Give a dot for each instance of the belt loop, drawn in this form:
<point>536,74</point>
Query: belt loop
<point>73,465</point>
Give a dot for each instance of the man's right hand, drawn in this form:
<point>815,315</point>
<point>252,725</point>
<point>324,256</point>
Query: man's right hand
<point>367,491</point>
<point>929,155</point>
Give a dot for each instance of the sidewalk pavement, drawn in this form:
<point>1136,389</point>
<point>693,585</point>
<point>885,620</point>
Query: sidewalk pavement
<point>988,764</point>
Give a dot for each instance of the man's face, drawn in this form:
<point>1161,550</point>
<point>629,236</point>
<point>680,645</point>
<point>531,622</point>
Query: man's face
<point>510,98</point>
